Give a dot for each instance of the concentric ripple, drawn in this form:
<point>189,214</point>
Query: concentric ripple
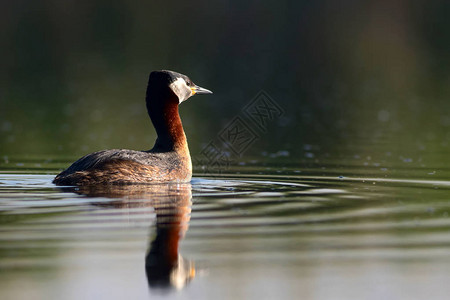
<point>227,228</point>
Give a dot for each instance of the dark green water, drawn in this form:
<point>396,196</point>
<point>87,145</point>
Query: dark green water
<point>338,231</point>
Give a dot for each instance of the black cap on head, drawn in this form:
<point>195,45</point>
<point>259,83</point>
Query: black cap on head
<point>168,76</point>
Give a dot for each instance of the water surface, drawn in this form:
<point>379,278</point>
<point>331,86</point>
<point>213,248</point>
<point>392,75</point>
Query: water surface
<point>249,233</point>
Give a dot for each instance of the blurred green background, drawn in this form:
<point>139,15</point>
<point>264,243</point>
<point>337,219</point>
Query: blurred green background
<point>370,77</point>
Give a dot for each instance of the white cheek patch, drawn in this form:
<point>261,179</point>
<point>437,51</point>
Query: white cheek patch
<point>180,88</point>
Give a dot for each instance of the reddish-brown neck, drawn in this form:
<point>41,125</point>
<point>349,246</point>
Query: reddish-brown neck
<point>166,120</point>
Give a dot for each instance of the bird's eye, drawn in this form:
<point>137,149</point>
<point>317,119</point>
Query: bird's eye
<point>188,83</point>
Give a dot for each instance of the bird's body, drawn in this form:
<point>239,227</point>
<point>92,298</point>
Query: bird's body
<point>122,166</point>
<point>168,161</point>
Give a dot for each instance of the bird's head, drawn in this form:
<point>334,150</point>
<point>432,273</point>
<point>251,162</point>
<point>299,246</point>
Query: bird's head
<point>181,85</point>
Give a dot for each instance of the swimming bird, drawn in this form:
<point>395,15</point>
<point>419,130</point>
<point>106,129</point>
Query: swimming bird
<point>168,161</point>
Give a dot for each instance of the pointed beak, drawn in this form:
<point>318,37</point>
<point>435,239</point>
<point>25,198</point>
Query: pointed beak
<point>199,90</point>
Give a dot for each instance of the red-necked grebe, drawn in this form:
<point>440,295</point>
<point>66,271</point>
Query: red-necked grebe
<point>169,159</point>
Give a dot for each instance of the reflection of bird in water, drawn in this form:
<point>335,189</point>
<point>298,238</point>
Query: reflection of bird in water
<point>169,159</point>
<point>172,203</point>
<point>163,264</point>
